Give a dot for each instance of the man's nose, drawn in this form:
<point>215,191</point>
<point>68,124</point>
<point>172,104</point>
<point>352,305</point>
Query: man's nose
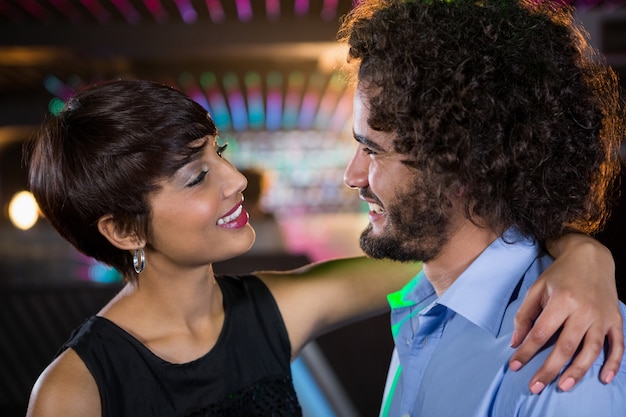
<point>356,174</point>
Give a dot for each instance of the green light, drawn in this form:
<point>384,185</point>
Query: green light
<point>230,81</point>
<point>56,106</point>
<point>207,79</point>
<point>185,79</point>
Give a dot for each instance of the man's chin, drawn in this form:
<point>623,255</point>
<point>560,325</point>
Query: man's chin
<point>379,247</point>
<point>395,248</point>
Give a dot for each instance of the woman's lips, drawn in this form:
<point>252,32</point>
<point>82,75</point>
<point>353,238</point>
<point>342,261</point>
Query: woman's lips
<point>234,219</point>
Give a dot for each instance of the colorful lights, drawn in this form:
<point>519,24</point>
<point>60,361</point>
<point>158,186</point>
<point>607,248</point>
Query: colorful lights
<point>97,10</point>
<point>127,10</point>
<point>98,272</point>
<point>57,87</point>
<point>310,101</point>
<point>306,169</point>
<point>236,101</point>
<point>293,98</point>
<point>35,9</point>
<point>256,111</point>
<point>55,106</point>
<point>244,10</point>
<point>189,11</point>
<point>301,7</point>
<point>156,10</point>
<point>218,108</point>
<point>67,9</point>
<point>215,10</point>
<point>252,100</point>
<point>186,10</point>
<point>272,9</point>
<point>341,118</point>
<point>274,101</point>
<point>194,11</point>
<point>329,10</point>
<point>328,103</point>
<point>192,89</point>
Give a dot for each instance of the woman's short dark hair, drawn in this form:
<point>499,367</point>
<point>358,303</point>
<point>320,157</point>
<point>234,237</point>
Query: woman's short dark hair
<point>505,99</point>
<point>105,153</point>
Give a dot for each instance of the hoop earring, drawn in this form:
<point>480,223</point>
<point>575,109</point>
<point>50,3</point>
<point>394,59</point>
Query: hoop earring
<point>139,260</point>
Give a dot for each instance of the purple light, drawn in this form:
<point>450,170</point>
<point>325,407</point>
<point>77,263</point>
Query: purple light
<point>188,84</point>
<point>292,99</point>
<point>307,111</point>
<point>329,10</point>
<point>34,9</point>
<point>274,101</point>
<point>129,12</point>
<point>96,9</point>
<point>244,10</point>
<point>311,101</point>
<point>58,88</point>
<point>220,113</point>
<point>75,82</point>
<point>236,102</point>
<point>186,10</point>
<point>272,8</point>
<point>301,7</point>
<point>343,112</point>
<point>215,10</point>
<point>329,102</point>
<point>156,9</point>
<point>67,9</point>
<point>9,11</point>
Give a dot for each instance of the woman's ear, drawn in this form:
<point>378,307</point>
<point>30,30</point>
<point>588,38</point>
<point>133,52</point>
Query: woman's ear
<point>118,237</point>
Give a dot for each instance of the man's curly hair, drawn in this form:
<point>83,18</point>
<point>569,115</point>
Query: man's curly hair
<point>503,100</point>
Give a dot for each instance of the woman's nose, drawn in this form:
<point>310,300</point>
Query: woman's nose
<point>236,182</point>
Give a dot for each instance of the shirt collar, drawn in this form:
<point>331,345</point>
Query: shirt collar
<point>478,293</point>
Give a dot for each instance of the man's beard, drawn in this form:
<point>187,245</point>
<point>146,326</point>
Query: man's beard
<point>414,232</point>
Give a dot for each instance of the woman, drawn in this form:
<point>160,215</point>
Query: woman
<point>131,173</point>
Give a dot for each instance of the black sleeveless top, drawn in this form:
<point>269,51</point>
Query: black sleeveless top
<point>247,373</point>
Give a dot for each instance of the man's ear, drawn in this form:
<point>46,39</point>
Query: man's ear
<point>118,237</point>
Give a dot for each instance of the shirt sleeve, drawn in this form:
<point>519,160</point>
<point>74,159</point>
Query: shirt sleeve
<point>589,398</point>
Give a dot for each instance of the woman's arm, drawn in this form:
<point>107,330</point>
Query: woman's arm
<point>320,297</point>
<point>578,293</point>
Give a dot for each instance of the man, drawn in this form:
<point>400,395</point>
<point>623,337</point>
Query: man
<point>485,129</point>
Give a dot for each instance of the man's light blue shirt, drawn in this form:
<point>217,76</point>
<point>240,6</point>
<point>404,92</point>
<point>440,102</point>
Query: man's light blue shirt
<point>452,352</point>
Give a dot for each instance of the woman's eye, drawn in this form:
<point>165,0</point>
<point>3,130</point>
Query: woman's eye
<point>197,180</point>
<point>220,150</point>
<point>368,151</point>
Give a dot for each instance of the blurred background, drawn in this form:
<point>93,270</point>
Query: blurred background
<point>268,72</point>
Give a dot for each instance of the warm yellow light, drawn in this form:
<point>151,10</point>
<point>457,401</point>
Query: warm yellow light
<point>23,210</point>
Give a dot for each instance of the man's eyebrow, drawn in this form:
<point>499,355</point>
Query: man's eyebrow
<point>367,142</point>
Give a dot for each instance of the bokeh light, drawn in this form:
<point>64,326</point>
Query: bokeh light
<point>23,210</point>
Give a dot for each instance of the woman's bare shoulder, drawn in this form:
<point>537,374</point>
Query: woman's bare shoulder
<point>65,388</point>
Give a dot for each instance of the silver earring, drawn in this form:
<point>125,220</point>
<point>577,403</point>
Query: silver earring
<point>139,260</point>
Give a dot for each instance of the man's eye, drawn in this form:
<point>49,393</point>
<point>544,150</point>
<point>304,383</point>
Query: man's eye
<point>198,179</point>
<point>220,150</point>
<point>368,151</point>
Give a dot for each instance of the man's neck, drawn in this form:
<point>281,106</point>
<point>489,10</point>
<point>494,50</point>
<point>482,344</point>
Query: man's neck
<point>466,243</point>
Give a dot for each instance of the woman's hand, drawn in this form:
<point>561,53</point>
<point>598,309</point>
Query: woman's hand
<point>576,294</point>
